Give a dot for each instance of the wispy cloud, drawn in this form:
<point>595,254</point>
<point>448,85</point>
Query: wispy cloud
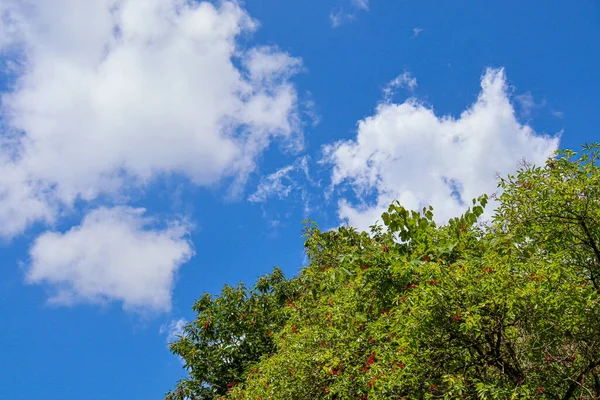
<point>528,104</point>
<point>293,183</point>
<point>361,4</point>
<point>174,329</point>
<point>278,184</point>
<point>405,80</point>
<point>281,182</point>
<point>346,13</point>
<point>417,31</point>
<point>339,17</point>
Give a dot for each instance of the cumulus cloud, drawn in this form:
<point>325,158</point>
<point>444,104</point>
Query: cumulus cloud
<point>22,201</point>
<point>112,94</point>
<point>407,152</point>
<point>114,254</point>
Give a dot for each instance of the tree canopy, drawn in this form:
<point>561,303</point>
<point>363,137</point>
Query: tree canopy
<point>503,309</point>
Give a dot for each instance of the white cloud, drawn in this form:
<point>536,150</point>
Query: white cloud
<point>22,201</point>
<point>417,31</point>
<point>112,255</point>
<point>111,94</point>
<point>361,4</point>
<point>280,183</point>
<point>338,18</point>
<point>341,15</point>
<point>527,103</point>
<point>405,80</point>
<point>406,152</point>
<point>174,329</point>
<point>273,185</point>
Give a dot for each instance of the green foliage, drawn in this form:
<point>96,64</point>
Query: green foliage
<point>419,311</point>
<point>231,333</point>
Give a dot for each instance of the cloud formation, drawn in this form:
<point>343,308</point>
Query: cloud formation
<point>143,89</point>
<point>174,329</point>
<point>417,31</point>
<point>361,4</point>
<point>341,15</point>
<point>106,96</point>
<point>281,182</point>
<point>407,152</point>
<point>113,255</point>
<point>405,81</point>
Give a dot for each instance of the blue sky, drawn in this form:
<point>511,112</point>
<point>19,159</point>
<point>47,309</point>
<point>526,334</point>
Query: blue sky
<point>154,150</point>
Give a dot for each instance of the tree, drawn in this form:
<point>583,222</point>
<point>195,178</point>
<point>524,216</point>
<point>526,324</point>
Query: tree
<point>230,333</point>
<point>508,309</point>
